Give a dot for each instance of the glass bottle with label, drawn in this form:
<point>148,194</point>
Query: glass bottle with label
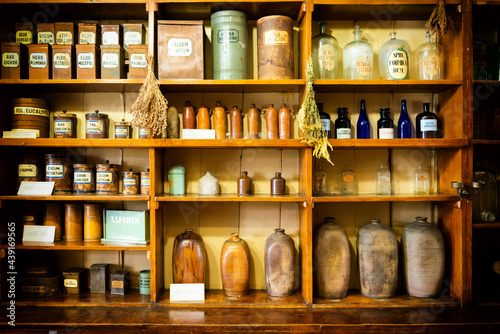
<point>342,125</point>
<point>404,123</point>
<point>394,59</point>
<point>429,60</point>
<point>358,58</point>
<point>320,186</point>
<point>326,122</point>
<point>383,180</point>
<point>385,125</point>
<point>421,181</point>
<point>325,56</point>
<point>363,126</point>
<point>347,181</point>
<point>427,123</point>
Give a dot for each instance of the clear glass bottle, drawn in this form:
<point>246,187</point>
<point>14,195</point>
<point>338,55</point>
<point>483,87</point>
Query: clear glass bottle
<point>326,121</point>
<point>484,203</point>
<point>384,180</point>
<point>358,58</point>
<point>363,126</point>
<point>421,181</point>
<point>347,181</point>
<point>429,60</point>
<point>427,123</point>
<point>394,59</point>
<point>404,123</point>
<point>325,54</point>
<point>320,185</point>
<point>385,125</point>
<point>342,125</point>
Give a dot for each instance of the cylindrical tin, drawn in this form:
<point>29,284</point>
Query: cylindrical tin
<point>145,282</point>
<point>92,222</point>
<point>73,222</point>
<point>64,125</point>
<point>176,180</point>
<point>53,216</point>
<point>58,170</point>
<point>29,169</point>
<point>83,179</point>
<point>130,183</point>
<point>31,114</point>
<point>275,47</point>
<point>229,45</point>
<point>96,125</point>
<point>106,179</point>
<point>145,183</point>
<point>122,130</point>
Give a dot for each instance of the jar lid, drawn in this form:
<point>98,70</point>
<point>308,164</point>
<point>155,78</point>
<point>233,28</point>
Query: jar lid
<point>31,100</point>
<point>129,173</point>
<point>96,114</point>
<point>176,169</point>
<point>83,166</point>
<point>106,165</point>
<point>122,123</point>
<point>64,114</point>
<point>53,156</point>
<point>223,13</point>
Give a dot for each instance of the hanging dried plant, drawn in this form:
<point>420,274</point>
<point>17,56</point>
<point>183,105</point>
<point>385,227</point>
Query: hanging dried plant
<point>150,108</point>
<point>439,22</point>
<point>309,120</point>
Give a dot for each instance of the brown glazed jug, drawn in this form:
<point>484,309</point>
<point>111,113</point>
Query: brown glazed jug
<point>244,184</point>
<point>332,255</point>
<point>220,121</point>
<point>203,117</point>
<point>236,123</point>
<point>271,122</point>
<point>279,262</point>
<point>235,266</point>
<point>285,123</point>
<point>253,119</point>
<point>188,117</point>
<point>189,258</point>
<point>172,123</point>
<point>378,260</point>
<point>278,185</point>
<point>424,258</point>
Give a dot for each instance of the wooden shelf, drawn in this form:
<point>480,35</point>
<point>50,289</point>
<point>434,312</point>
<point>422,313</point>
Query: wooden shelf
<point>398,143</point>
<point>77,197</point>
<point>232,86</point>
<point>387,198</point>
<point>384,86</point>
<point>81,245</point>
<point>486,2</point>
<point>73,85</point>
<point>486,141</point>
<point>254,299</point>
<point>486,225</point>
<point>230,198</point>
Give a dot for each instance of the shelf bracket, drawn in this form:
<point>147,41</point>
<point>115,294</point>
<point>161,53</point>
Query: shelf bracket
<point>302,13</point>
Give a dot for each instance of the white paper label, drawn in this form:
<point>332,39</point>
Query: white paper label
<point>397,64</point>
<point>38,60</point>
<point>122,132</point>
<point>83,177</point>
<point>64,37</point>
<point>104,177</point>
<point>86,37</point>
<point>129,181</point>
<point>94,126</point>
<point>275,37</point>
<point>344,133</point>
<point>38,233</point>
<point>54,171</point>
<point>430,63</point>
<point>70,283</point>
<point>180,47</point>
<point>110,60</point>
<point>45,37</point>
<point>325,124</point>
<point>138,60</point>
<point>85,60</point>
<point>145,181</point>
<point>27,171</point>
<point>63,126</point>
<point>110,38</point>
<point>428,125</point>
<point>24,37</point>
<point>132,37</point>
<point>187,292</point>
<point>10,59</point>
<point>386,133</point>
<point>62,60</point>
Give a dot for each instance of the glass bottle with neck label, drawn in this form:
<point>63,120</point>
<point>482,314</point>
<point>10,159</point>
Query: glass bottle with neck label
<point>394,59</point>
<point>358,58</point>
<point>325,56</point>
<point>342,125</point>
<point>429,60</point>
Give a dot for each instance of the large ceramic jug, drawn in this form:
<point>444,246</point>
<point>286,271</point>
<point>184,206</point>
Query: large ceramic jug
<point>235,266</point>
<point>279,262</point>
<point>189,258</point>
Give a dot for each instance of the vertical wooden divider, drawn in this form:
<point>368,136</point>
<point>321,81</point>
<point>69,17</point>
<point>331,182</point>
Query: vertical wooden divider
<point>305,221</point>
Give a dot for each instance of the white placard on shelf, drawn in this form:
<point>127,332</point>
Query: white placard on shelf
<point>38,233</point>
<point>198,134</point>
<point>187,292</point>
<point>36,188</point>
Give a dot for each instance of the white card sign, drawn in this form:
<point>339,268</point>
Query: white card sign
<point>187,292</point>
<point>36,188</point>
<point>198,134</point>
<point>38,233</point>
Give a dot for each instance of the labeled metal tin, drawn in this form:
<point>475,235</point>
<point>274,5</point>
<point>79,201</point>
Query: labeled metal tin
<point>177,180</point>
<point>40,61</point>
<point>45,33</point>
<point>138,62</point>
<point>92,222</point>
<point>83,178</point>
<point>106,179</point>
<point>145,282</point>
<point>62,62</point>
<point>31,114</point>
<point>29,169</point>
<point>40,286</point>
<point>112,62</point>
<point>111,34</point>
<point>99,278</point>
<point>96,125</point>
<point>87,61</point>
<point>60,172</point>
<point>74,280</point>
<point>89,33</point>
<point>14,61</point>
<point>64,125</point>
<point>130,183</point>
<point>120,282</point>
<point>133,34</point>
<point>24,32</point>
<point>145,183</point>
<point>65,32</point>
<point>122,130</point>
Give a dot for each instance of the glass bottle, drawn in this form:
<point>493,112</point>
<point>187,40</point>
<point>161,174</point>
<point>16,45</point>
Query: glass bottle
<point>427,123</point>
<point>347,181</point>
<point>484,203</point>
<point>358,58</point>
<point>429,60</point>
<point>383,180</point>
<point>404,123</point>
<point>326,122</point>
<point>363,126</point>
<point>320,186</point>
<point>421,181</point>
<point>342,125</point>
<point>325,49</point>
<point>394,59</point>
<point>385,126</point>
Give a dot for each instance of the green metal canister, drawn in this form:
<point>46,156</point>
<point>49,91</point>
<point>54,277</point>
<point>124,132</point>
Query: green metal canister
<point>177,180</point>
<point>229,45</point>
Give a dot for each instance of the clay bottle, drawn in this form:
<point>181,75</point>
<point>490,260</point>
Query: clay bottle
<point>244,184</point>
<point>271,122</point>
<point>188,117</point>
<point>220,121</point>
<point>279,262</point>
<point>236,123</point>
<point>285,123</point>
<point>332,256</point>
<point>189,258</point>
<point>278,185</point>
<point>173,123</point>
<point>253,117</point>
<point>424,258</point>
<point>203,117</point>
<point>378,260</point>
<point>235,266</point>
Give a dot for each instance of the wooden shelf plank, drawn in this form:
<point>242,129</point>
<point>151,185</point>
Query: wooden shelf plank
<point>486,2</point>
<point>76,1</point>
<point>230,198</point>
<point>78,197</point>
<point>486,141</point>
<point>486,225</point>
<point>387,198</point>
<point>398,143</point>
<point>384,86</point>
<point>81,245</point>
<point>254,299</point>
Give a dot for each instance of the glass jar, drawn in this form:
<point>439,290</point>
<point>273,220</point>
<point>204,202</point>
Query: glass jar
<point>320,185</point>
<point>358,58</point>
<point>342,125</point>
<point>326,121</point>
<point>383,180</point>
<point>429,60</point>
<point>427,123</point>
<point>325,56</point>
<point>394,59</point>
<point>385,125</point>
<point>421,181</point>
<point>347,181</point>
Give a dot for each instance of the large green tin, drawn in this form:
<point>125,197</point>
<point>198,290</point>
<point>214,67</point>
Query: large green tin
<point>229,45</point>
<point>176,180</point>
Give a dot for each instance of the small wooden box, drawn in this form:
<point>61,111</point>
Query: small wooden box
<point>40,286</point>
<point>89,33</point>
<point>14,61</point>
<point>120,282</point>
<point>24,32</point>
<point>65,32</point>
<point>112,62</point>
<point>133,34</point>
<point>75,280</point>
<point>40,62</point>
<point>62,61</point>
<point>112,34</point>
<point>45,33</point>
<point>138,63</point>
<point>87,61</point>
<point>99,278</point>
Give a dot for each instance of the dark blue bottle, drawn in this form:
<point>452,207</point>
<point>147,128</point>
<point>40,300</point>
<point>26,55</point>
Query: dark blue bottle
<point>404,123</point>
<point>363,126</point>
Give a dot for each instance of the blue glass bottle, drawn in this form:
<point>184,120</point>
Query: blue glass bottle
<point>363,126</point>
<point>404,123</point>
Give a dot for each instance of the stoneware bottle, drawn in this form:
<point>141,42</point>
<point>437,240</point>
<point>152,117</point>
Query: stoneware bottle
<point>220,121</point>
<point>277,185</point>
<point>285,122</point>
<point>424,258</point>
<point>208,185</point>
<point>279,262</point>
<point>235,266</point>
<point>253,118</point>
<point>378,260</point>
<point>173,123</point>
<point>188,117</point>
<point>271,122</point>
<point>203,117</point>
<point>244,184</point>
<point>189,258</point>
<point>332,256</point>
<point>236,123</point>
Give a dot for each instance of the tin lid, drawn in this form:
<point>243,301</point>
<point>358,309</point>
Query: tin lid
<point>129,173</point>
<point>73,270</point>
<point>145,273</point>
<point>106,165</point>
<point>177,169</point>
<point>233,13</point>
<point>180,23</point>
<point>99,266</point>
<point>138,48</point>
<point>62,46</point>
<point>120,273</point>
<point>53,156</point>
<point>83,166</point>
<point>25,100</point>
<point>96,114</point>
<point>122,123</point>
<point>128,25</point>
<point>274,17</point>
<point>64,114</point>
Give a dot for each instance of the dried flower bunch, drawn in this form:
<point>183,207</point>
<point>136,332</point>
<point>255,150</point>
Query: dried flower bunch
<point>439,22</point>
<point>150,108</point>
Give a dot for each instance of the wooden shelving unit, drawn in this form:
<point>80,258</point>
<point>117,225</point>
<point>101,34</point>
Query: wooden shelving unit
<point>81,245</point>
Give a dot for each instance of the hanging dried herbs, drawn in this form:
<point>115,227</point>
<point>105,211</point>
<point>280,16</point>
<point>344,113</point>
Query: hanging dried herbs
<point>309,120</point>
<point>439,22</point>
<point>150,108</point>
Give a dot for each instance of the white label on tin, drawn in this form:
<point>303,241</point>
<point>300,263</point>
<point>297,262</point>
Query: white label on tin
<point>129,181</point>
<point>63,126</point>
<point>104,177</point>
<point>37,132</point>
<point>27,171</point>
<point>45,37</point>
<point>92,126</point>
<point>180,47</point>
<point>86,37</point>
<point>145,181</point>
<point>143,131</point>
<point>275,37</point>
<point>110,38</point>
<point>54,171</point>
<point>38,60</point>
<point>121,132</point>
<point>31,111</point>
<point>83,177</point>
<point>138,60</point>
<point>62,60</point>
<point>132,37</point>
<point>70,283</point>
<point>110,60</point>
<point>344,133</point>
<point>10,59</point>
<point>64,37</point>
<point>85,60</point>
<point>428,125</point>
<point>225,36</point>
<point>386,133</point>
<point>24,37</point>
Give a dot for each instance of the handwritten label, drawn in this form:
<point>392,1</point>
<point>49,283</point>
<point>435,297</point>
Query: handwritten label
<point>63,126</point>
<point>45,37</point>
<point>27,171</point>
<point>138,60</point>
<point>180,47</point>
<point>110,38</point>
<point>132,37</point>
<point>62,60</point>
<point>110,60</point>
<point>86,37</point>
<point>94,126</point>
<point>85,60</point>
<point>363,66</point>
<point>10,59</point>
<point>24,37</point>
<point>64,37</point>
<point>104,177</point>
<point>83,177</point>
<point>38,60</point>
<point>326,57</point>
